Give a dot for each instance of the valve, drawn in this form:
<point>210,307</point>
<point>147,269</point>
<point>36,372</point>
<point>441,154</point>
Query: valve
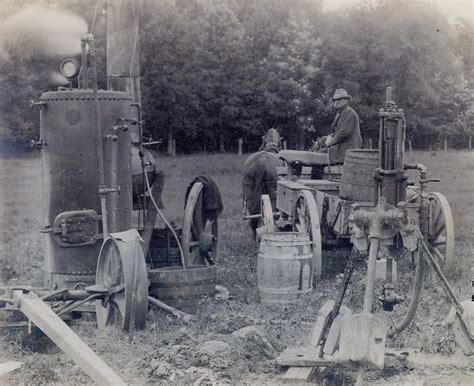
<point>389,298</point>
<point>40,104</point>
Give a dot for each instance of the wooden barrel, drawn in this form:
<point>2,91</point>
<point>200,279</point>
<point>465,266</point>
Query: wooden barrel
<point>284,267</point>
<point>358,183</point>
<point>183,288</point>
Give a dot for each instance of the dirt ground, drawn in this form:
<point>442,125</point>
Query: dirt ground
<point>208,351</point>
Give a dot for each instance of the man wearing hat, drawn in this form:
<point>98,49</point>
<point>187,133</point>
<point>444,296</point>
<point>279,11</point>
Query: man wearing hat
<point>260,175</point>
<point>346,132</point>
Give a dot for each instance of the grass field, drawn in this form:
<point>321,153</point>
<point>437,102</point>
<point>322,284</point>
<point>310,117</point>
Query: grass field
<point>22,255</point>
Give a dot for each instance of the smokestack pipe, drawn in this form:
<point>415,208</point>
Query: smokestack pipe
<point>123,69</point>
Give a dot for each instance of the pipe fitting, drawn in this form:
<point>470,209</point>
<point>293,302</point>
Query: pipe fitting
<point>389,298</point>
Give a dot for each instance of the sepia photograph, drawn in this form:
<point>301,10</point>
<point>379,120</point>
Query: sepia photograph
<point>237,192</point>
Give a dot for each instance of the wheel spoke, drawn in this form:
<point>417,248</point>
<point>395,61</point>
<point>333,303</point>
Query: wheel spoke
<point>439,241</point>
<point>438,253</point>
<point>299,228</point>
<point>438,218</point>
<point>266,222</point>
<point>439,231</point>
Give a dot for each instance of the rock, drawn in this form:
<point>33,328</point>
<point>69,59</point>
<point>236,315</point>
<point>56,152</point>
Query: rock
<point>154,364</point>
<point>222,293</point>
<point>160,369</point>
<point>207,377</point>
<point>256,337</point>
<point>214,347</point>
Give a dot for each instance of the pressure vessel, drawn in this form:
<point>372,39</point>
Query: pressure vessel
<point>71,179</point>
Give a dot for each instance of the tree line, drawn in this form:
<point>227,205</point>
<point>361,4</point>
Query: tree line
<point>214,71</point>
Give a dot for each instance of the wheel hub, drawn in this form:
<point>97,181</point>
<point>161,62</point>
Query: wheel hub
<point>206,242</point>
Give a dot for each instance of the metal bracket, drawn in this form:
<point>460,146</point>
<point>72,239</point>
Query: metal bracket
<point>105,190</point>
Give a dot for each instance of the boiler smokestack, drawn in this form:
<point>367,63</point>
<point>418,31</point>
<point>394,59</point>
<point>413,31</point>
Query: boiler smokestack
<point>123,70</point>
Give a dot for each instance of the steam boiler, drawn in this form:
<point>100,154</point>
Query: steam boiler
<point>72,183</point>
<point>102,192</point>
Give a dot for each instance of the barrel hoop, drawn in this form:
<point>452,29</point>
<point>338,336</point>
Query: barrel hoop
<point>158,284</point>
<point>282,291</point>
<point>288,257</point>
<point>272,243</point>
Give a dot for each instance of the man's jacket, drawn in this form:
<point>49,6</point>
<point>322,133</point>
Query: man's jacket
<point>346,135</point>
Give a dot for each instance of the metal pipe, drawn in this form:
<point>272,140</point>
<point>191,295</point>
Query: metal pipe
<point>388,95</point>
<point>53,294</point>
<point>173,311</point>
<point>123,52</point>
<point>388,274</point>
<point>102,189</point>
<point>415,297</point>
<point>79,303</point>
<point>381,165</point>
<point>180,247</point>
<point>112,198</point>
<point>83,78</point>
<point>371,269</point>
<point>62,294</point>
<point>457,304</point>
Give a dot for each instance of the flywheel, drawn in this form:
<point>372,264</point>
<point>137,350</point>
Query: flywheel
<point>121,270</point>
<point>200,231</point>
<point>441,230</point>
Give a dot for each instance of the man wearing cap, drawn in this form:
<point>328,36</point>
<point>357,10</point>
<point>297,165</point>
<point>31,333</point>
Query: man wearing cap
<point>260,175</point>
<point>346,132</point>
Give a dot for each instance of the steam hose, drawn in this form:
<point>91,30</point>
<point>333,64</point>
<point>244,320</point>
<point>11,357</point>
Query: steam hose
<point>160,213</point>
<point>415,297</point>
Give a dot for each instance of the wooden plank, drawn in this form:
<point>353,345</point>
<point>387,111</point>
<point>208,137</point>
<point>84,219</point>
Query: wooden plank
<point>9,366</point>
<point>303,374</point>
<point>461,335</point>
<point>304,356</point>
<point>59,332</point>
<point>362,340</point>
<point>293,185</point>
<point>332,340</point>
<point>321,321</point>
<point>320,184</point>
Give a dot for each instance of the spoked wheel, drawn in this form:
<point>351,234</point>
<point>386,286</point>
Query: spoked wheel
<point>265,222</point>
<point>121,270</point>
<point>306,220</point>
<point>200,232</point>
<point>441,230</point>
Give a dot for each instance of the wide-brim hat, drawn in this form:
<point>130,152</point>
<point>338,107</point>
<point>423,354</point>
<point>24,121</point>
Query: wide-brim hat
<point>341,93</point>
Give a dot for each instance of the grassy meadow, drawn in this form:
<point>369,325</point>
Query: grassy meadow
<point>21,203</point>
<point>21,207</point>
<point>22,255</point>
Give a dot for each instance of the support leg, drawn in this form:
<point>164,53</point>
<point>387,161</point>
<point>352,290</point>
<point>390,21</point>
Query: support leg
<point>59,332</point>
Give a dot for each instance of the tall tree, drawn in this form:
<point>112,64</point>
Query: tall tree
<point>293,67</point>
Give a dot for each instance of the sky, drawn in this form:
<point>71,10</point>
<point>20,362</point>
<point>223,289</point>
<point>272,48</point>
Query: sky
<point>452,8</point>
